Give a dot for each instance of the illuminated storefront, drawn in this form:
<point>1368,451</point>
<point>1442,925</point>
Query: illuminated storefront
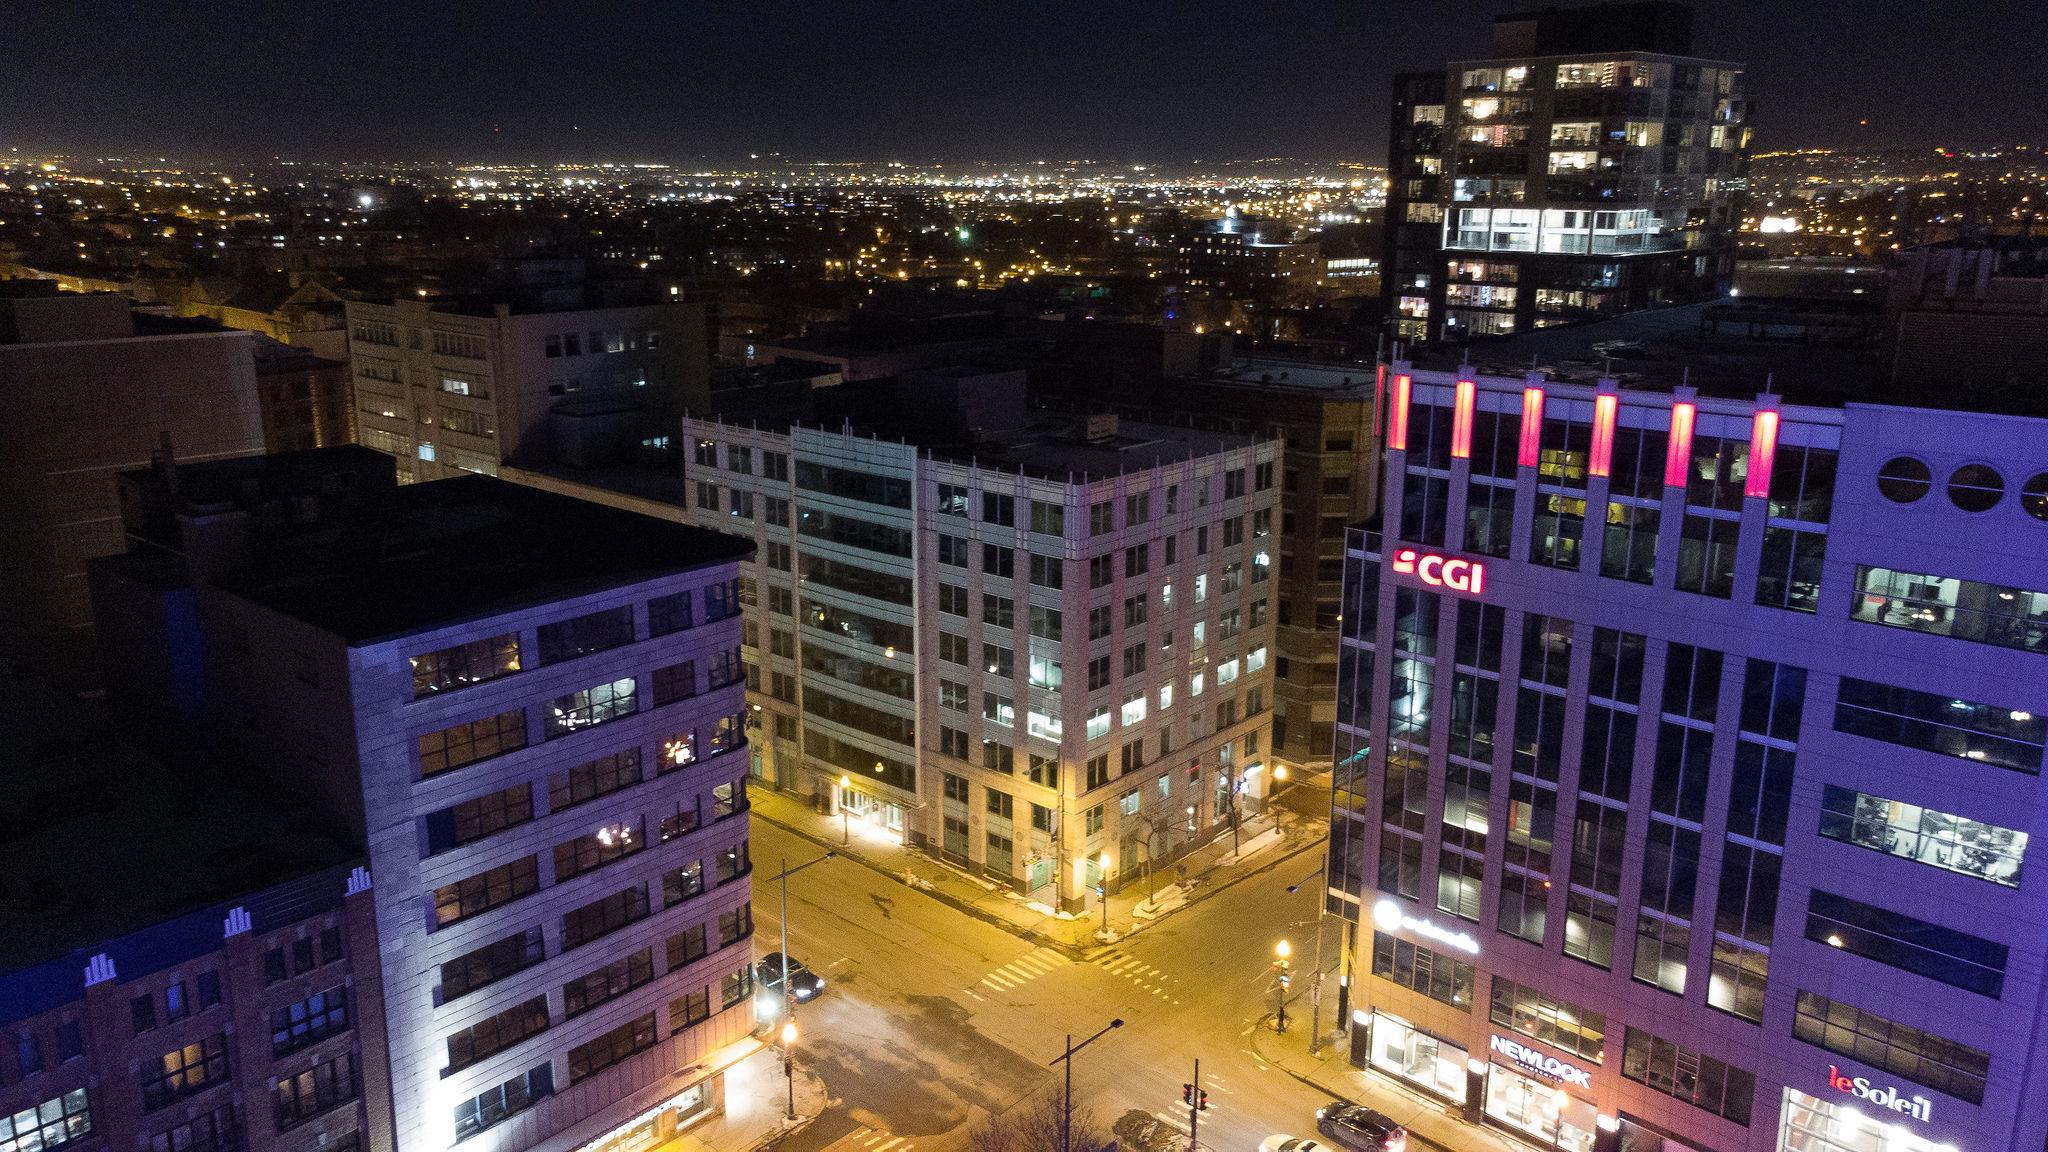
<point>1542,1108</point>
<point>1808,1124</point>
<point>1434,1064</point>
<point>661,1122</point>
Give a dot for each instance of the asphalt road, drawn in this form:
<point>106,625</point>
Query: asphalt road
<point>931,1019</point>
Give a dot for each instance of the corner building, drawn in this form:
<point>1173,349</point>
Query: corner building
<point>1689,757</point>
<point>918,606</point>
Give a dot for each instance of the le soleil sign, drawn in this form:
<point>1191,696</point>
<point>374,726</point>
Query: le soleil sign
<point>1438,571</point>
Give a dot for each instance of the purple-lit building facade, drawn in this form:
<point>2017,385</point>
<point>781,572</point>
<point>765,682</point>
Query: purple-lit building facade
<point>1690,810</point>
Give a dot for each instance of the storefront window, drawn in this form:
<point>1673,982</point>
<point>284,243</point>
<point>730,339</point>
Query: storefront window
<point>1418,1057</point>
<point>1814,1125</point>
<point>1540,1108</point>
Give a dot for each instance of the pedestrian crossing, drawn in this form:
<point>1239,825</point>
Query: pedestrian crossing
<point>1145,976</point>
<point>875,1140</point>
<point>1024,969</point>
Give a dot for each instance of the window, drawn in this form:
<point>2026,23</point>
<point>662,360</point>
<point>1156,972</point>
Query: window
<point>215,1131</point>
<point>952,500</point>
<point>1137,561</point>
<point>485,890</point>
<point>1555,1022</point>
<point>689,1009</point>
<point>952,600</point>
<point>460,666</point>
<point>1045,623</point>
<point>1975,488</point>
<point>675,682</point>
<point>475,819</point>
<point>592,706</point>
<point>619,1044</point>
<point>1903,479</point>
<point>309,1021</point>
<point>1901,1049</point>
<point>667,614</point>
<point>999,509</point>
<point>998,561</point>
<point>613,980</point>
<point>494,961</point>
<point>1049,519</point>
<point>680,884</point>
<point>736,987</point>
<point>451,748</point>
<point>2004,737</point>
<point>1137,509</point>
<point>687,947</point>
<point>1939,839</point>
<point>58,1121</point>
<point>1101,518</point>
<point>1048,571</point>
<point>999,661</point>
<point>952,551</point>
<point>183,1071</point>
<point>594,850</point>
<point>300,1098</point>
<point>1045,770</point>
<point>998,611</point>
<point>142,1009</point>
<point>593,920</point>
<point>582,635</point>
<point>1442,978</point>
<point>1957,959</point>
<point>209,995</point>
<point>721,600</point>
<point>1694,1077</point>
<point>1100,621</point>
<point>1962,609</point>
<point>495,1105</point>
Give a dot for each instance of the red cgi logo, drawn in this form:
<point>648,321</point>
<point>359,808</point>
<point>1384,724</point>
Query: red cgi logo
<point>1467,576</point>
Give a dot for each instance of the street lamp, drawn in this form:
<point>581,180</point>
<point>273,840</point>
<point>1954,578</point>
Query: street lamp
<point>789,1045</point>
<point>1281,951</point>
<point>1315,992</point>
<point>1067,1096</point>
<point>845,820</point>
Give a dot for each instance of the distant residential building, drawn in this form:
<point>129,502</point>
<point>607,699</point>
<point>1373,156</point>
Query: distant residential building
<point>449,386</point>
<point>307,400</point>
<point>530,709</point>
<point>1587,166</point>
<point>184,965</point>
<point>1971,318</point>
<point>94,387</point>
<point>1032,646</point>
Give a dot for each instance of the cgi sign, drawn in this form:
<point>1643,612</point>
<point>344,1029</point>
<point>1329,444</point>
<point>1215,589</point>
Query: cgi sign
<point>1467,576</point>
<point>1540,1064</point>
<point>1918,1107</point>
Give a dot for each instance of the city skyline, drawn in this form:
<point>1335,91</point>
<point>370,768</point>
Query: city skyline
<point>857,81</point>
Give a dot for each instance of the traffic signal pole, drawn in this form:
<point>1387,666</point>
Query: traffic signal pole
<point>1195,1108</point>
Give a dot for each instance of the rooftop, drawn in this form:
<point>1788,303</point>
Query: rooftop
<point>468,548</point>
<point>1294,375</point>
<point>104,841</point>
<point>1809,351</point>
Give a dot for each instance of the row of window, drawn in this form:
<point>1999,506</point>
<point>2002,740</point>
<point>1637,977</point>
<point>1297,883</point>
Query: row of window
<point>460,745</point>
<point>563,344</point>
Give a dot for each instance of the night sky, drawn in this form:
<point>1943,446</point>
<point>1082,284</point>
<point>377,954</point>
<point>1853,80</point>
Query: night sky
<point>1117,80</point>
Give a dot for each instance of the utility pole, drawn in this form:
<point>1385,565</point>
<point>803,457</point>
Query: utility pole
<point>1315,992</point>
<point>1195,1109</point>
<point>789,1001</point>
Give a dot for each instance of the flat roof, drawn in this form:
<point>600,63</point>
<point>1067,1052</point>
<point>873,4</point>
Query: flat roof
<point>1057,447</point>
<point>104,841</point>
<point>1271,372</point>
<point>449,551</point>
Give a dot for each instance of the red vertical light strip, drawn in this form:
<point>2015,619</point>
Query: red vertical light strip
<point>1379,398</point>
<point>1397,413</point>
<point>1461,419</point>
<point>1605,407</point>
<point>1678,452</point>
<point>1532,427</point>
<point>1763,448</point>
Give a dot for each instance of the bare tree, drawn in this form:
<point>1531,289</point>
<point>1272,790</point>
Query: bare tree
<point>1033,1125</point>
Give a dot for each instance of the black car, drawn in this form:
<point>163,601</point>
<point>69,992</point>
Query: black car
<point>804,984</point>
<point>1359,1128</point>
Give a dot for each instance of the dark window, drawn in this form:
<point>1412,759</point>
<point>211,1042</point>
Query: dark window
<point>615,979</point>
<point>593,920</point>
<point>472,970</point>
<point>475,819</point>
<point>1944,725</point>
<point>142,1009</point>
<point>628,1039</point>
<point>1903,1050</point>
<point>1904,479</point>
<point>472,895</point>
<point>1957,959</point>
<point>494,1034</point>
<point>594,778</point>
<point>508,1099</point>
<point>675,682</point>
<point>309,1021</point>
<point>215,1131</point>
<point>1694,1077</point>
<point>670,613</point>
<point>582,635</point>
<point>451,748</point>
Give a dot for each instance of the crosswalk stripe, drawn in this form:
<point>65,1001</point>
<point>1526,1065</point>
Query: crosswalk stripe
<point>893,1142</point>
<point>873,1138</point>
<point>997,982</point>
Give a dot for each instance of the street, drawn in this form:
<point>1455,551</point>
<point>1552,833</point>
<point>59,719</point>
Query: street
<point>932,1019</point>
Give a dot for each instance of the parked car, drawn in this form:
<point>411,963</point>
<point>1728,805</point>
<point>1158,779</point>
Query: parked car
<point>1360,1129</point>
<point>1281,1142</point>
<point>804,984</point>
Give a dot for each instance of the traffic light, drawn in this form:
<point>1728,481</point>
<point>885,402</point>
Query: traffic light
<point>1187,1094</point>
<point>1285,980</point>
<point>1203,1104</point>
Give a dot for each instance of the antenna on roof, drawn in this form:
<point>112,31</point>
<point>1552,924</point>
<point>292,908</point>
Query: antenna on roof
<point>1685,376</point>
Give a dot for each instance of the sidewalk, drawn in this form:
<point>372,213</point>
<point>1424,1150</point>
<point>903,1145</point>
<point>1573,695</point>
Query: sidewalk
<point>1432,1122</point>
<point>1272,836</point>
<point>756,1108</point>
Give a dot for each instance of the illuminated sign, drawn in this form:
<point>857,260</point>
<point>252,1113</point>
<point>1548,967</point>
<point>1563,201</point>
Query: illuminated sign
<point>1467,576</point>
<point>1541,1064</point>
<point>1390,917</point>
<point>1918,1107</point>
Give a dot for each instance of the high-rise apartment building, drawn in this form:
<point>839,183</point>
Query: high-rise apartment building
<point>93,388</point>
<point>1587,166</point>
<point>449,386</point>
<point>1690,752</point>
<point>529,709</point>
<point>1032,646</point>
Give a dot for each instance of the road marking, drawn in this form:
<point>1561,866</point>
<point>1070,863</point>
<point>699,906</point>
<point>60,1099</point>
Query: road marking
<point>1025,968</point>
<point>893,1142</point>
<point>970,992</point>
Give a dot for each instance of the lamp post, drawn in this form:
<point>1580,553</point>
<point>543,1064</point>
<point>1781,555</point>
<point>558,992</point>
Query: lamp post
<point>845,820</point>
<point>1315,991</point>
<point>789,1047</point>
<point>1067,1096</point>
<point>788,1001</point>
<point>1281,951</point>
<point>1102,886</point>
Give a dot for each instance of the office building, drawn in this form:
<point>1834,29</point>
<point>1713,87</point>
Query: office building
<point>205,981</point>
<point>454,385</point>
<point>528,709</point>
<point>1587,166</point>
<point>924,579</point>
<point>94,387</point>
<point>1968,317</point>
<point>306,400</point>
<point>1690,750</point>
<point>1329,478</point>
